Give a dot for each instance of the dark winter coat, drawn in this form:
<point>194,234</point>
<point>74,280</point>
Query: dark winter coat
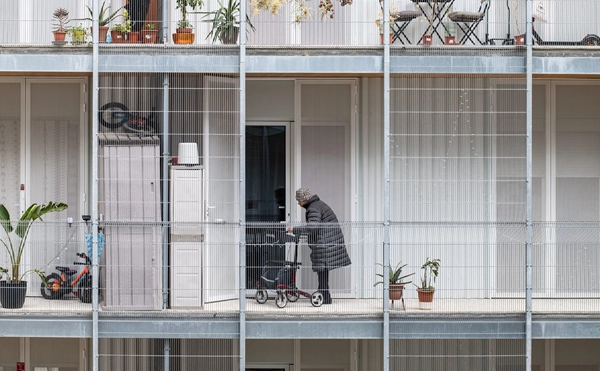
<point>325,237</point>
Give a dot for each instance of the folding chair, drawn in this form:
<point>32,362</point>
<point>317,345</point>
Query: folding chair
<point>401,20</point>
<point>468,22</point>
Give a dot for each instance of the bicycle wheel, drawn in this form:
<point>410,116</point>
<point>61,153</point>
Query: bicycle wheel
<point>51,289</point>
<point>84,290</point>
<point>113,115</point>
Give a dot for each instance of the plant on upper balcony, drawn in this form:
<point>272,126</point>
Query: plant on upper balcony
<point>185,6</point>
<point>300,11</point>
<point>15,238</point>
<point>396,280</point>
<point>183,33</point>
<point>78,33</point>
<point>61,17</point>
<point>225,22</point>
<point>149,33</point>
<point>104,15</point>
<point>429,273</point>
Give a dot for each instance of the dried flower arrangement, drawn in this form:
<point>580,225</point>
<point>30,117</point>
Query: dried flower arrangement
<point>301,11</point>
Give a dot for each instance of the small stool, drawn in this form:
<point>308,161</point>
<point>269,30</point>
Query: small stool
<point>401,21</point>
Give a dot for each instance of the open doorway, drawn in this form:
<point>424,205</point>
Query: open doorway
<point>267,187</point>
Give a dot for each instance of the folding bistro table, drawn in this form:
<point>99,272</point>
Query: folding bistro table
<point>436,17</point>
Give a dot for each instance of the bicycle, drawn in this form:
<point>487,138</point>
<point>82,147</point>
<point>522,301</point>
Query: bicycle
<point>59,285</point>
<point>114,115</point>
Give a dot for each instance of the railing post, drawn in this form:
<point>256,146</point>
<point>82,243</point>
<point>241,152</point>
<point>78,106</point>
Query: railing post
<point>386,185</point>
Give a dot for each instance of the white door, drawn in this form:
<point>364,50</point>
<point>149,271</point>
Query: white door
<point>324,162</point>
<point>42,126</point>
<point>221,161</point>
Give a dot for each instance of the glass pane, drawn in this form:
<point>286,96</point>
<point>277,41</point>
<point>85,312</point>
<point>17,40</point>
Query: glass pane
<point>265,173</point>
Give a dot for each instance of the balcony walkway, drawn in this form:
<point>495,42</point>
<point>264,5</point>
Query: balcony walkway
<point>345,318</point>
<point>340,307</point>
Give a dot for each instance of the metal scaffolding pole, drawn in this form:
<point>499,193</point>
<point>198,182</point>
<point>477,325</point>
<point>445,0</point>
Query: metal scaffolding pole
<point>94,199</point>
<point>529,152</point>
<point>242,186</point>
<point>386,186</point>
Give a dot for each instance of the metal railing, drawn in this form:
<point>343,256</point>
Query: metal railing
<point>482,269</point>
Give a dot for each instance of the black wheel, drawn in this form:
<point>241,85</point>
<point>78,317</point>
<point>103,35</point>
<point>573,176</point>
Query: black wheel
<point>292,295</point>
<point>51,290</point>
<point>591,40</point>
<point>84,290</point>
<point>316,299</point>
<point>140,126</point>
<point>261,296</point>
<point>113,115</point>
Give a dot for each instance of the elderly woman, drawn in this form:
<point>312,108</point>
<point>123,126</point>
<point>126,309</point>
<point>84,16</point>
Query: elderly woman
<point>325,238</point>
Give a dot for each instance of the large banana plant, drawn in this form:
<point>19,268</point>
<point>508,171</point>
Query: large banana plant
<point>15,248</point>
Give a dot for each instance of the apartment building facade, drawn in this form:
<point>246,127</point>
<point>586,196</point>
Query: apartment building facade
<point>474,150</point>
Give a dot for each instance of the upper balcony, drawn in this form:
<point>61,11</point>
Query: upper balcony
<point>296,23</point>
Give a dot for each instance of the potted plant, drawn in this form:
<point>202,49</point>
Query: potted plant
<point>61,16</point>
<point>12,291</point>
<point>449,33</point>
<point>396,281</point>
<point>379,23</point>
<point>78,34</point>
<point>429,273</point>
<point>117,33</point>
<point>183,34</point>
<point>130,35</point>
<point>149,34</point>
<point>225,22</point>
<point>104,18</point>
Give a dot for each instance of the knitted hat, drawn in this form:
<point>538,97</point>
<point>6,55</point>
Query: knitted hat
<point>303,194</point>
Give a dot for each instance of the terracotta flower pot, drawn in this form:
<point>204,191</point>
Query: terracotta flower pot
<point>450,40</point>
<point>381,38</point>
<point>59,35</point>
<point>520,39</point>
<point>149,36</point>
<point>133,37</point>
<point>396,290</point>
<point>427,39</point>
<point>117,37</point>
<point>425,296</point>
<point>183,38</point>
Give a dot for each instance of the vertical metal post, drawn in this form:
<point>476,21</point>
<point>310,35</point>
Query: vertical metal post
<point>165,192</point>
<point>94,199</point>
<point>165,21</point>
<point>529,212</point>
<point>386,185</point>
<point>166,354</point>
<point>242,189</point>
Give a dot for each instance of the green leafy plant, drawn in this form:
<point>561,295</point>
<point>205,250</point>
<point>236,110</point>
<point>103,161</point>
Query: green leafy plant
<point>78,33</point>
<point>184,6</point>
<point>150,26</point>
<point>395,275</point>
<point>61,16</point>
<point>15,248</point>
<point>225,22</point>
<point>429,273</point>
<point>119,27</point>
<point>104,15</point>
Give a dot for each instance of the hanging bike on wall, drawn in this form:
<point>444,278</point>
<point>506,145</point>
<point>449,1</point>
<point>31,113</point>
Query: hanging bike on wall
<point>114,115</point>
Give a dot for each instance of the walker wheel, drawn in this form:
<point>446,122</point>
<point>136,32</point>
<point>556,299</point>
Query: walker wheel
<point>316,299</point>
<point>281,299</point>
<point>261,296</point>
